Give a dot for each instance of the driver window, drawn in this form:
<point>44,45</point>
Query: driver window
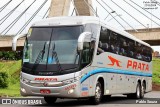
<point>86,54</point>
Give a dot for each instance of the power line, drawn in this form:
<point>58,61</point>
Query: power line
<point>31,18</point>
<point>128,13</point>
<point>118,15</point>
<point>14,22</point>
<point>114,16</point>
<point>142,13</point>
<point>145,10</point>
<point>46,13</point>
<point>111,15</point>
<point>10,13</point>
<point>72,11</point>
<point>75,7</point>
<point>4,6</point>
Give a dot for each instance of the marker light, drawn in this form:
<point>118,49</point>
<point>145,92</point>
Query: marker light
<point>70,91</point>
<point>23,90</point>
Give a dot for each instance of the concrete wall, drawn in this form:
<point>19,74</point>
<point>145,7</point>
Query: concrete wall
<point>82,7</point>
<point>151,36</point>
<point>146,34</point>
<point>61,8</point>
<point>6,43</point>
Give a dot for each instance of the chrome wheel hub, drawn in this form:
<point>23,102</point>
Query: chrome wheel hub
<point>98,93</point>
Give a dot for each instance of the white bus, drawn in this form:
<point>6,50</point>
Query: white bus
<point>82,57</point>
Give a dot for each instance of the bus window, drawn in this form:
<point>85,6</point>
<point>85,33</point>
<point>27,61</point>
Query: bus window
<point>143,53</point>
<point>138,51</point>
<point>114,43</point>
<point>123,46</point>
<point>87,54</point>
<point>148,54</point>
<point>131,50</point>
<point>103,45</point>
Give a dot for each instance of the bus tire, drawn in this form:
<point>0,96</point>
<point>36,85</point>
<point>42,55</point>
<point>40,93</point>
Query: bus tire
<point>50,100</point>
<point>142,90</point>
<point>137,95</point>
<point>98,94</point>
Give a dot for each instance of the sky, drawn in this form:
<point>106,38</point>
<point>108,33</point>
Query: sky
<point>100,11</point>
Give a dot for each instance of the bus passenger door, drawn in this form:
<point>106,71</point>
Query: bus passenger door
<point>86,57</point>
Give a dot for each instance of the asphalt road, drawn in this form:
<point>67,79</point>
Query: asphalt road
<point>114,101</point>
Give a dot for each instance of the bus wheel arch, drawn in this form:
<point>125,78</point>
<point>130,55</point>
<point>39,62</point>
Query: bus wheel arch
<point>138,90</point>
<point>101,80</point>
<point>144,83</point>
<point>143,89</point>
<point>139,82</point>
<point>99,91</point>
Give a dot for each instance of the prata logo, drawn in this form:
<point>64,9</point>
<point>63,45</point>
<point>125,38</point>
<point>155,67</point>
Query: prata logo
<point>45,79</point>
<point>114,61</point>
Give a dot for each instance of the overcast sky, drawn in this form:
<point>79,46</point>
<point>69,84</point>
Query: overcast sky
<point>101,13</point>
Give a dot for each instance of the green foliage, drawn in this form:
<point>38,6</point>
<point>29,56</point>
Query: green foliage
<point>1,54</point>
<point>10,55</point>
<point>156,70</point>
<point>12,68</point>
<point>3,80</point>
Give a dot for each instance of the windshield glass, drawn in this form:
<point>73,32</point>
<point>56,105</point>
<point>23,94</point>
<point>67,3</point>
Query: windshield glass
<point>50,46</point>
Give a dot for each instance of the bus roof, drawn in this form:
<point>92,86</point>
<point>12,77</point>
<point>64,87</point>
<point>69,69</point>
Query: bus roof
<point>80,20</point>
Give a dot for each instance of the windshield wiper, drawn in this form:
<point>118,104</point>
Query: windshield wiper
<point>54,54</point>
<point>39,57</point>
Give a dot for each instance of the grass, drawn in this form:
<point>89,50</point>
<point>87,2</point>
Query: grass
<point>12,91</point>
<point>13,69</point>
<point>156,71</point>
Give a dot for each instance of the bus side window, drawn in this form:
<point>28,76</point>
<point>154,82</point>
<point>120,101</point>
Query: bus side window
<point>131,49</point>
<point>148,54</point>
<point>138,51</point>
<point>114,43</point>
<point>123,46</point>
<point>103,45</point>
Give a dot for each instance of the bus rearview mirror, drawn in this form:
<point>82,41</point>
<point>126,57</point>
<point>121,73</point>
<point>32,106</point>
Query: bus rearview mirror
<point>14,40</point>
<point>84,37</point>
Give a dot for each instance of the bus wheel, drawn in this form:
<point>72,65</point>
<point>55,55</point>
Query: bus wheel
<point>50,100</point>
<point>98,94</point>
<point>142,90</point>
<point>138,91</point>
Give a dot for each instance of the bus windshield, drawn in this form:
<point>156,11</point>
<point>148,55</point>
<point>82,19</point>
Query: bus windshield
<point>50,47</point>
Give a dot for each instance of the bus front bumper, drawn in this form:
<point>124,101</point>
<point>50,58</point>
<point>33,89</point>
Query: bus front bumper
<point>66,91</point>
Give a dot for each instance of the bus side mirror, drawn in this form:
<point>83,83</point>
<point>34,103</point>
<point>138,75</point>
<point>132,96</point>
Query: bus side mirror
<point>84,37</point>
<point>14,40</point>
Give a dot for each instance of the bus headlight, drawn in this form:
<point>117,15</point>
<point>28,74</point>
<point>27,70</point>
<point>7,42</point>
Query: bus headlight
<point>69,81</point>
<point>23,90</point>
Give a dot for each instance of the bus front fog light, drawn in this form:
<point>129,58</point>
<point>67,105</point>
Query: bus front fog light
<point>70,91</point>
<point>23,90</point>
